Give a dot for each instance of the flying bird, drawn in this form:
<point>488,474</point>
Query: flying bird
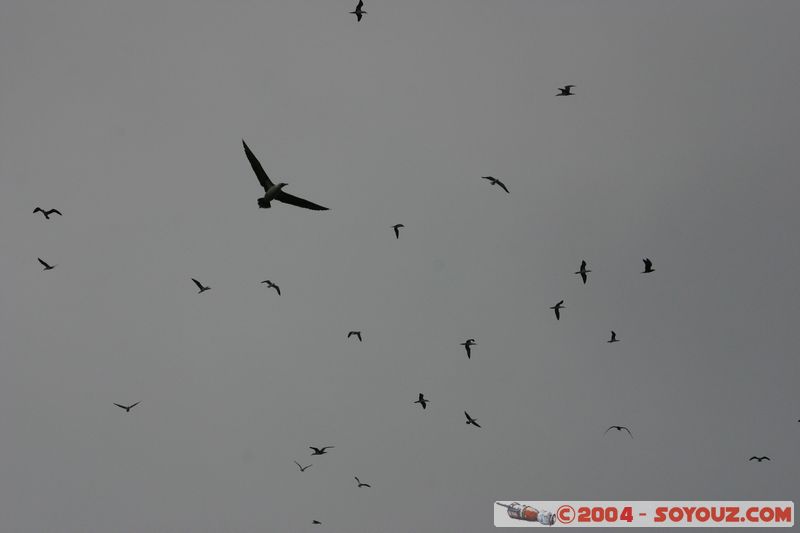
<point>361,484</point>
<point>45,265</point>
<point>302,468</point>
<point>317,522</point>
<point>471,420</point>
<point>319,451</point>
<point>357,334</point>
<point>583,271</point>
<point>759,459</point>
<point>613,336</point>
<point>559,305</point>
<point>129,407</point>
<point>648,266</point>
<point>47,213</point>
<point>618,428</point>
<point>495,181</point>
<point>565,90</point>
<point>423,401</point>
<point>467,345</point>
<point>397,230</point>
<point>200,286</point>
<point>272,286</point>
<point>359,12</point>
<point>273,191</point>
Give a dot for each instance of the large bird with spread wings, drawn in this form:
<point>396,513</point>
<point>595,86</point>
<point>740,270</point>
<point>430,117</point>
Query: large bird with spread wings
<point>274,191</point>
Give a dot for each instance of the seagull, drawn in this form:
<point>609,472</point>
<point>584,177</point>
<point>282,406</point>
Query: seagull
<point>466,345</point>
<point>619,428</point>
<point>272,286</point>
<point>422,400</point>
<point>559,305</point>
<point>648,266</point>
<point>565,90</point>
<point>361,484</point>
<point>471,420</point>
<point>583,271</point>
<point>759,459</point>
<point>47,213</point>
<point>613,336</point>
<point>317,522</point>
<point>359,12</point>
<point>357,334</point>
<point>45,265</point>
<point>496,181</point>
<point>200,286</point>
<point>128,408</point>
<point>397,230</point>
<point>302,468</point>
<point>273,191</point>
<point>319,451</point>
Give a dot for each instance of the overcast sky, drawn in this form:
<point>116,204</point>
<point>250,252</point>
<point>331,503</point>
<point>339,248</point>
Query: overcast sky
<point>680,144</point>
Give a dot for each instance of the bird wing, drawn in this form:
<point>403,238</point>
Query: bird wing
<point>558,315</point>
<point>277,289</point>
<point>199,285</point>
<point>263,179</point>
<point>37,210</point>
<point>42,262</point>
<point>134,405</point>
<point>358,15</point>
<point>628,430</point>
<point>609,429</point>
<point>299,202</point>
<point>121,406</point>
<point>315,449</point>
<point>583,276</point>
<point>754,457</point>
<point>583,265</point>
<point>359,336</point>
<point>613,335</point>
<point>56,211</point>
<point>360,4</point>
<point>298,464</point>
<point>500,183</point>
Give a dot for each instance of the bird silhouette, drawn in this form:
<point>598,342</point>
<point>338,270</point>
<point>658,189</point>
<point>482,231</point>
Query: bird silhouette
<point>359,12</point>
<point>45,265</point>
<point>469,343</point>
<point>648,266</point>
<point>357,334</point>
<point>47,213</point>
<point>273,191</point>
<point>272,286</point>
<point>127,408</point>
<point>565,90</point>
<point>200,286</point>
<point>317,522</point>
<point>422,401</point>
<point>613,337</point>
<point>583,271</point>
<point>759,459</point>
<point>397,230</point>
<point>302,468</point>
<point>361,484</point>
<point>495,181</point>
<point>557,307</point>
<point>319,451</point>
<point>471,420</point>
<point>618,428</point>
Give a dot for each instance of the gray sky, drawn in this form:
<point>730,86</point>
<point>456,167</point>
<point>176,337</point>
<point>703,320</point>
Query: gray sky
<point>680,144</point>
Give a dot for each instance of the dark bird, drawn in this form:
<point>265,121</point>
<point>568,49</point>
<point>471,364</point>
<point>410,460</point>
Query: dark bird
<point>422,400</point>
<point>356,333</point>
<point>319,451</point>
<point>272,286</point>
<point>648,266</point>
<point>361,484</point>
<point>128,408</point>
<point>559,305</point>
<point>317,522</point>
<point>618,428</point>
<point>495,181</point>
<point>302,468</point>
<point>613,336</point>
<point>565,90</point>
<point>759,459</point>
<point>273,191</point>
<point>467,345</point>
<point>45,265</point>
<point>47,213</point>
<point>583,271</point>
<point>471,420</point>
<point>397,230</point>
<point>359,12</point>
<point>200,286</point>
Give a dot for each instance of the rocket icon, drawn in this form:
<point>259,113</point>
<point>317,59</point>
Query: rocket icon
<point>528,514</point>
